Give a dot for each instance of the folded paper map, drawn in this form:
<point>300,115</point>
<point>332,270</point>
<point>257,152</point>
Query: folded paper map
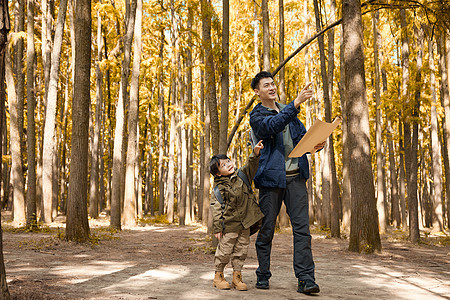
<point>316,134</point>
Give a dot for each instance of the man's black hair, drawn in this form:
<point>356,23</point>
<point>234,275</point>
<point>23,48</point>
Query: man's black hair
<point>258,77</point>
<point>215,163</point>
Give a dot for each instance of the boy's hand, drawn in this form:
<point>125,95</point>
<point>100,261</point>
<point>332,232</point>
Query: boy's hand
<point>218,235</point>
<point>258,148</point>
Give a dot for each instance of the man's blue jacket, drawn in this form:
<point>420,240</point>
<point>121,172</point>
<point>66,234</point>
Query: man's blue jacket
<point>268,126</point>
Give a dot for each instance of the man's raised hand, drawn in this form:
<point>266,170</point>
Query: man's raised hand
<point>304,95</point>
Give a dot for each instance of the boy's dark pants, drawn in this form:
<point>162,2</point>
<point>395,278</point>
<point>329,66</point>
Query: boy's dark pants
<point>295,198</point>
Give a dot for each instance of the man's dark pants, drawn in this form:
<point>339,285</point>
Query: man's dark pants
<point>295,198</point>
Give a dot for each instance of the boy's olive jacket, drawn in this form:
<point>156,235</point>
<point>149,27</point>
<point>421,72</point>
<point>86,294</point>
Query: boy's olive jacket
<point>241,209</point>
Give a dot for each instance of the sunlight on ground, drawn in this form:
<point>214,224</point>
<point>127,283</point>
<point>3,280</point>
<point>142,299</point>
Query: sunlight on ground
<point>163,273</point>
<point>86,272</point>
<point>409,283</point>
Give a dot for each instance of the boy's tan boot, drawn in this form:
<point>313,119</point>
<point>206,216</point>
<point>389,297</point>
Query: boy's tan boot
<point>237,282</point>
<point>220,282</point>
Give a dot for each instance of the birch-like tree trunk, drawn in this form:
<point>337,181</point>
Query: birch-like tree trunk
<point>17,179</point>
<point>382,220</point>
<point>47,20</point>
<point>413,203</point>
<point>129,210</point>
<point>77,228</point>
<point>190,137</point>
<point>256,38</point>
<point>161,126</point>
<point>49,142</point>
<point>119,135</point>
<point>364,235</point>
<point>94,181</point>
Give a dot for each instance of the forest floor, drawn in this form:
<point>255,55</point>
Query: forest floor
<point>157,261</point>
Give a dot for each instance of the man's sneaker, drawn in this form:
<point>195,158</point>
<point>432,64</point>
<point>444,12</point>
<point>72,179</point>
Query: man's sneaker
<point>262,284</point>
<point>307,286</point>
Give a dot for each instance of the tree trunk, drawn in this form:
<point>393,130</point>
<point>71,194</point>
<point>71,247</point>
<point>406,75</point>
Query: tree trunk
<point>447,91</point>
<point>413,203</point>
<point>255,38</point>
<point>129,210</point>
<point>171,170</point>
<point>326,166</point>
<point>364,235</point>
<point>190,143</point>
<point>382,221</point>
<point>49,142</point>
<point>346,186</point>
<point>4,29</point>
<point>161,125</point>
<point>95,166</point>
<point>31,126</point>
<point>210,85</point>
<point>119,136</point>
<point>16,155</point>
<point>225,78</point>
<point>395,210</point>
<point>281,83</point>
<point>438,213</point>
<point>19,26</point>
<point>77,228</point>
<point>266,35</point>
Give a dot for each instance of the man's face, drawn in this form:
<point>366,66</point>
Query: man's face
<point>267,90</point>
<point>226,167</point>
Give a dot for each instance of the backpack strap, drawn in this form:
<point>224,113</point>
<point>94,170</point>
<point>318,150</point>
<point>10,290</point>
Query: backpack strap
<point>222,204</point>
<point>245,179</point>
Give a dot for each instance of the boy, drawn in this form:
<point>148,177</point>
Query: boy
<point>233,218</point>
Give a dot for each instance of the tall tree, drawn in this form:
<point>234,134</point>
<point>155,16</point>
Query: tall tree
<point>266,35</point>
<point>129,210</point>
<point>364,235</point>
<point>378,139</point>
<point>16,155</point>
<point>161,124</point>
<point>413,204</point>
<point>19,26</point>
<point>5,26</point>
<point>438,213</point>
<point>346,186</point>
<point>119,135</point>
<point>95,166</point>
<point>31,126</point>
<point>326,171</point>
<point>225,77</point>
<point>435,143</point>
<point>210,88</point>
<point>49,143</point>
<point>282,82</point>
<point>77,225</point>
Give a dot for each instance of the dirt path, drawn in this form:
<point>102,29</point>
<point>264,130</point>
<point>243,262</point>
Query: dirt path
<point>170,262</point>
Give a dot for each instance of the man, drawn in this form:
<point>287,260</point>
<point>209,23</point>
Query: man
<point>280,178</point>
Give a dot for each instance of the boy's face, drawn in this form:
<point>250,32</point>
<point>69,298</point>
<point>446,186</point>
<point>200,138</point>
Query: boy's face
<point>226,167</point>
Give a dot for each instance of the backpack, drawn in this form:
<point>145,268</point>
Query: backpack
<point>255,227</point>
